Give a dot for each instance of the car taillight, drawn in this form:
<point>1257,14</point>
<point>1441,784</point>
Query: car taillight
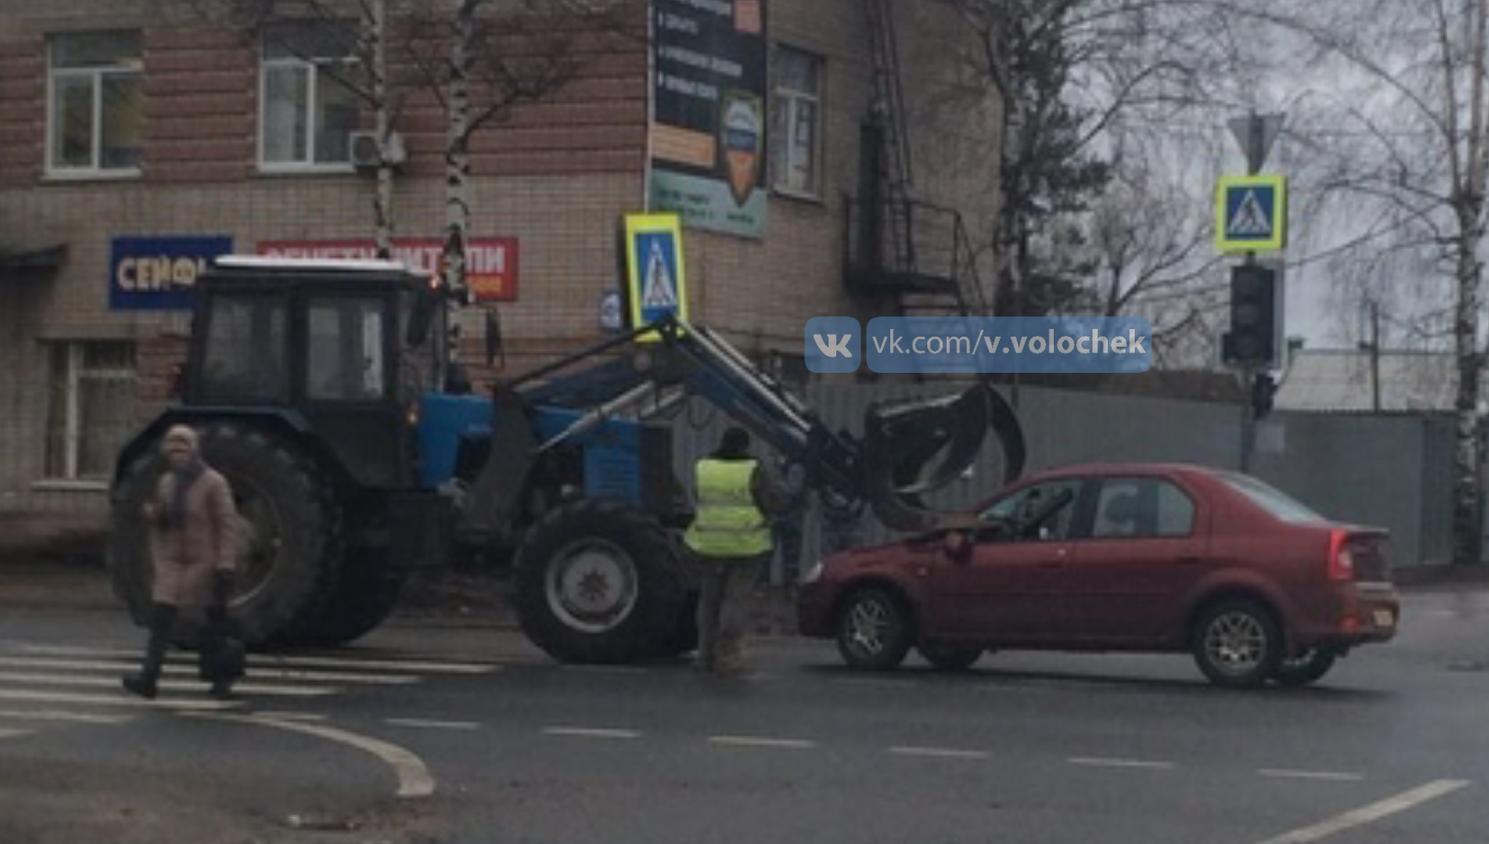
<point>1341,562</point>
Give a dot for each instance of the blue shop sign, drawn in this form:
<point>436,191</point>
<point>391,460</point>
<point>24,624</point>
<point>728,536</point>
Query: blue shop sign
<point>158,273</point>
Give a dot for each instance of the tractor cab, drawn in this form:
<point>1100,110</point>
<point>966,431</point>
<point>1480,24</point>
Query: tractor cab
<point>342,350</point>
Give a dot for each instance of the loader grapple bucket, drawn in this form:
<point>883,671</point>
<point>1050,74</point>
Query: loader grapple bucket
<point>913,447</point>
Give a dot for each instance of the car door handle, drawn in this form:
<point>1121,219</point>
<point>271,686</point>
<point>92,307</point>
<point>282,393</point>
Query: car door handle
<point>1189,561</point>
<point>1050,564</point>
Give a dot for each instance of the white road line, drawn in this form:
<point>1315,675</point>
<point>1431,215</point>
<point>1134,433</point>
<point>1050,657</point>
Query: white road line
<point>1331,776</point>
<point>762,741</point>
<point>413,775</point>
<point>938,752</point>
<point>287,715</point>
<point>430,724</point>
<point>5,733</point>
<point>1370,813</point>
<point>63,715</point>
<point>1107,762</point>
<point>168,685</point>
<point>175,669</point>
<point>119,700</point>
<point>876,681</point>
<point>305,661</point>
<point>592,732</point>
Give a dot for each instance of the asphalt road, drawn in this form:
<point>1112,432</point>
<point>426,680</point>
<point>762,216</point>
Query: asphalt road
<point>486,741</point>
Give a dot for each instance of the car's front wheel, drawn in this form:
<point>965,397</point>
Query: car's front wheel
<point>1307,667</point>
<point>1237,643</point>
<point>873,630</point>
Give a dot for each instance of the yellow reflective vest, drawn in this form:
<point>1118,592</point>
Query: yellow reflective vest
<point>727,522</point>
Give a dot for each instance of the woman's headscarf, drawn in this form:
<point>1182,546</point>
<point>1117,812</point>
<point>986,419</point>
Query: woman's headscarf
<point>183,476</point>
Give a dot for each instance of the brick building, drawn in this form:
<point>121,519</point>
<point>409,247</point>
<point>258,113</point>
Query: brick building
<point>119,123</point>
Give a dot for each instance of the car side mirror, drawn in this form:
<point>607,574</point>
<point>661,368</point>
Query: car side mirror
<point>421,317</point>
<point>958,545</point>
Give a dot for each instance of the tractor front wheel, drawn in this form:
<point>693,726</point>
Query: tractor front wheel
<point>599,582</point>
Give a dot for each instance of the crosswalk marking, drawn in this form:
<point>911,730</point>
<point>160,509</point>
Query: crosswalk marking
<point>248,688</point>
<point>62,715</point>
<point>75,684</point>
<point>115,700</point>
<point>184,668</point>
<point>297,661</point>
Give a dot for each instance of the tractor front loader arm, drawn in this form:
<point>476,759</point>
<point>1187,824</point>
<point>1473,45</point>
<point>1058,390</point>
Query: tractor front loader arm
<point>909,447</point>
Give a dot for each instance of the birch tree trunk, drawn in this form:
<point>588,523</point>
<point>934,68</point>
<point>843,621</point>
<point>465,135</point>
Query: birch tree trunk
<point>457,147</point>
<point>382,202</point>
<point>1466,456</point>
<point>1468,202</point>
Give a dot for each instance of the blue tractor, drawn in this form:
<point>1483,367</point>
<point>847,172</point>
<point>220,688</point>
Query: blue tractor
<point>324,392</point>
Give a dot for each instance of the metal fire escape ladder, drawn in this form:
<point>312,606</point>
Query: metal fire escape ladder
<point>889,111</point>
<point>925,259</point>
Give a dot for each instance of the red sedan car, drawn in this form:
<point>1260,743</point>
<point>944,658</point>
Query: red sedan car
<point>1136,557</point>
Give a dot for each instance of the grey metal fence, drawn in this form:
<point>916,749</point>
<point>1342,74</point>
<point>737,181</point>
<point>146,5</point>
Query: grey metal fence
<point>1392,471</point>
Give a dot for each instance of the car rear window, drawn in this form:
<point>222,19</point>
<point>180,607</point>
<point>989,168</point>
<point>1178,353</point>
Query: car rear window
<point>1271,499</point>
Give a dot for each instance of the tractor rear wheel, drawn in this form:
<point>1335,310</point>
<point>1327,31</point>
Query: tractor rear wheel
<point>289,537</point>
<point>599,582</point>
<point>365,594</point>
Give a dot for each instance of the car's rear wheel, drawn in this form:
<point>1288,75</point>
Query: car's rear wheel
<point>949,657</point>
<point>873,630</point>
<point>1307,667</point>
<point>1237,643</point>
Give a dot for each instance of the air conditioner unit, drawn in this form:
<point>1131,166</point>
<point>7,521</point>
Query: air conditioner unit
<point>365,150</point>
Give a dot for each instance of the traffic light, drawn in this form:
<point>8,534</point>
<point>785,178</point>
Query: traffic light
<point>1252,339</point>
<point>1263,389</point>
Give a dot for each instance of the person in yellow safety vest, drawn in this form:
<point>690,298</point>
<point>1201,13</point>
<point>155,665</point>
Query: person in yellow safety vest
<point>729,539</point>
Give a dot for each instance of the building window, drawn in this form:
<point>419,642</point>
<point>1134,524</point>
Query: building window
<point>308,109</point>
<point>90,414</point>
<point>95,111</point>
<point>796,123</point>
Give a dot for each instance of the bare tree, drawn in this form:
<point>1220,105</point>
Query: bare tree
<point>481,58</point>
<point>1399,142</point>
<point>357,32</point>
<point>1066,72</point>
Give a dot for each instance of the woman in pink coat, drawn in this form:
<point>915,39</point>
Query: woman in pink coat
<point>193,552</point>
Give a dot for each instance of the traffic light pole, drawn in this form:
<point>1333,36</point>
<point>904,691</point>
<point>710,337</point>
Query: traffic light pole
<point>1256,155</point>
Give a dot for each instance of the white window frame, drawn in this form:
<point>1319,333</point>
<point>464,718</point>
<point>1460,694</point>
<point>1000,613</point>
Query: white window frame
<point>94,170</point>
<point>792,99</point>
<point>72,432</point>
<point>313,68</point>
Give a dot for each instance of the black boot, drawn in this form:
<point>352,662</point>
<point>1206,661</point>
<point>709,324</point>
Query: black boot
<point>221,654</point>
<point>162,624</point>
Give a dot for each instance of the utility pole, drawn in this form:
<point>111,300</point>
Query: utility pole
<point>1374,348</point>
<point>1256,145</point>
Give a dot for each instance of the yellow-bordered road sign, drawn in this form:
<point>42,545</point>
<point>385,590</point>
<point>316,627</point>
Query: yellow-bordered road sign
<point>656,280</point>
<point>1251,213</point>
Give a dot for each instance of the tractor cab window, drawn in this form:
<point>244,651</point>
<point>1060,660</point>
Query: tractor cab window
<point>345,348</point>
<point>244,358</point>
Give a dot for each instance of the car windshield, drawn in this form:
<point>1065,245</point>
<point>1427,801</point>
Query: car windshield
<point>1273,500</point>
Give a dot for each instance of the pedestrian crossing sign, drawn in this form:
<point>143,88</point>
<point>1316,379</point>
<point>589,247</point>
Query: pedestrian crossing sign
<point>1251,213</point>
<point>655,275</point>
